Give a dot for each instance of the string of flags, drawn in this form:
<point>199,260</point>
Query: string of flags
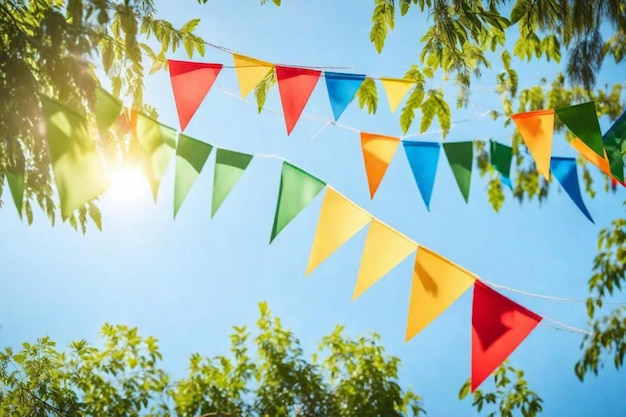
<point>191,81</point>
<point>498,324</point>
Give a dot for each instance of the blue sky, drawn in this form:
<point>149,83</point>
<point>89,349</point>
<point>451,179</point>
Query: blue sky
<point>188,281</point>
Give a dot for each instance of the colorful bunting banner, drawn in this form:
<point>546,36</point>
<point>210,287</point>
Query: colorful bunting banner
<point>295,86</point>
<point>297,189</point>
<point>378,151</point>
<point>614,143</point>
<point>461,158</point>
<point>339,220</point>
<point>437,283</point>
<point>423,158</point>
<point>582,120</point>
<point>157,143</point>
<point>341,90</point>
<point>384,249</point>
<point>536,128</point>
<point>108,109</point>
<point>396,89</point>
<point>564,169</point>
<point>191,81</point>
<point>229,167</point>
<point>250,72</point>
<point>499,325</point>
<point>191,155</point>
<point>78,172</point>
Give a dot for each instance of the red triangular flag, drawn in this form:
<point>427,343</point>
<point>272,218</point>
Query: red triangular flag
<point>191,81</point>
<point>499,325</point>
<point>295,86</point>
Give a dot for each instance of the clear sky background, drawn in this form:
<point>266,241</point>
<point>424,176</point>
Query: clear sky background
<point>188,281</point>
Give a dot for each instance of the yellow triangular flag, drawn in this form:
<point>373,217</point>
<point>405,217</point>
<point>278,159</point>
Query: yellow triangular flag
<point>340,219</point>
<point>384,249</point>
<point>536,128</point>
<point>250,72</point>
<point>437,283</point>
<point>396,89</point>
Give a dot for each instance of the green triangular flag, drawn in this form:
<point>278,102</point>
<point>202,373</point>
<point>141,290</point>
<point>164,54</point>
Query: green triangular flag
<point>79,174</point>
<point>157,142</point>
<point>108,109</point>
<point>297,189</point>
<point>614,140</point>
<point>15,179</point>
<point>582,120</point>
<point>229,167</point>
<point>460,157</point>
<point>191,155</point>
<point>500,157</point>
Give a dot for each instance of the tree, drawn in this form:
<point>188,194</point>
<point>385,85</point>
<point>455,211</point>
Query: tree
<point>50,48</point>
<point>265,374</point>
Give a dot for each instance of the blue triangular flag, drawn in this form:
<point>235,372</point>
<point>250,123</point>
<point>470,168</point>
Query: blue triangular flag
<point>341,90</point>
<point>423,158</point>
<point>564,169</point>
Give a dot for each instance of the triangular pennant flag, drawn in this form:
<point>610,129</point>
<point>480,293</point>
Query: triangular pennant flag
<point>499,325</point>
<point>297,189</point>
<point>339,220</point>
<point>191,155</point>
<point>378,151</point>
<point>564,169</point>
<point>614,141</point>
<point>341,90</point>
<point>423,158</point>
<point>506,181</point>
<point>591,156</point>
<point>250,72</point>
<point>500,158</point>
<point>229,166</point>
<point>461,157</point>
<point>191,81</point>
<point>396,89</point>
<point>537,128</point>
<point>157,143</point>
<point>384,249</point>
<point>295,86</point>
<point>15,179</point>
<point>108,109</point>
<point>437,283</point>
<point>582,120</point>
<point>78,172</point>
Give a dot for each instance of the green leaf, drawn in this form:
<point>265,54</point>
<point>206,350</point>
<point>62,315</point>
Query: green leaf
<point>368,96</point>
<point>519,10</point>
<point>382,20</point>
<point>428,111</point>
<point>190,26</point>
<point>412,105</point>
<point>465,389</point>
<point>261,90</point>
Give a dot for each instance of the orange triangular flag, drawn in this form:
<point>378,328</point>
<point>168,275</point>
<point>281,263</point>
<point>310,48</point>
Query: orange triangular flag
<point>590,155</point>
<point>537,128</point>
<point>437,283</point>
<point>378,151</point>
<point>191,81</point>
<point>250,72</point>
<point>295,86</point>
<point>340,219</point>
<point>384,249</point>
<point>396,89</point>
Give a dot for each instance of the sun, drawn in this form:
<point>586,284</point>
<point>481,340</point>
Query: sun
<point>128,186</point>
